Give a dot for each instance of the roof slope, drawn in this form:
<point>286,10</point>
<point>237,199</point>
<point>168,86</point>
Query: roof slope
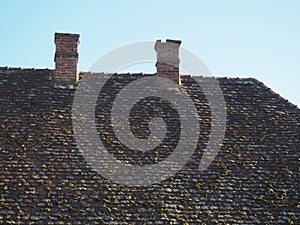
<point>45,180</point>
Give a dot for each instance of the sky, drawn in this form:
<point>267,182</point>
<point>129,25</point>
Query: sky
<point>234,38</point>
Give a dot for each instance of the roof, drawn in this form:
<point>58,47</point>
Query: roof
<point>45,180</point>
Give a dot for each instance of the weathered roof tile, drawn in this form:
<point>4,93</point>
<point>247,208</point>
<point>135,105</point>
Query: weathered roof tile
<point>44,178</point>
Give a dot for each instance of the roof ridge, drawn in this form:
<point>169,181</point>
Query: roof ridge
<point>107,73</point>
<point>10,70</point>
<point>6,70</point>
<point>181,75</point>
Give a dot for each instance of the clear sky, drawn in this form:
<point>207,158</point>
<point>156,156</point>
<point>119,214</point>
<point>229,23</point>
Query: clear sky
<point>234,38</point>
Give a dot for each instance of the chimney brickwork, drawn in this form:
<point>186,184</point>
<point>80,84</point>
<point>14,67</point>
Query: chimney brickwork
<point>168,59</point>
<point>66,58</point>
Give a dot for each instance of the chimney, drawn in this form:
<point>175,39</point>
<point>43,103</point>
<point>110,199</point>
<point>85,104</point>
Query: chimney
<point>66,58</point>
<point>168,59</point>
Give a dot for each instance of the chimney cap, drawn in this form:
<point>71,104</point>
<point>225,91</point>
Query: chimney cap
<point>66,37</point>
<point>178,42</point>
<point>158,42</point>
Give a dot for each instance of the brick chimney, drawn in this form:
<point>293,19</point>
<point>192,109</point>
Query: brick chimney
<point>167,64</point>
<point>66,58</point>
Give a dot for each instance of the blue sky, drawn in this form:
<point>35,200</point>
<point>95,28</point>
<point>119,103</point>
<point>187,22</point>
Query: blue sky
<point>234,38</point>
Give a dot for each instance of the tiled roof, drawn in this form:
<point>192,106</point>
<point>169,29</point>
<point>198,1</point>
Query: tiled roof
<point>44,178</point>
